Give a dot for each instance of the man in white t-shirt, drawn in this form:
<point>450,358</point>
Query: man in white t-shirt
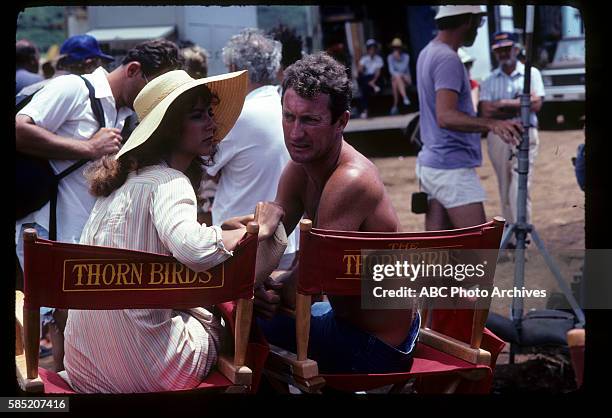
<point>251,158</point>
<point>59,125</point>
<point>369,75</point>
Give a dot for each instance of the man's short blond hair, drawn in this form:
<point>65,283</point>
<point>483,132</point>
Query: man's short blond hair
<point>196,61</point>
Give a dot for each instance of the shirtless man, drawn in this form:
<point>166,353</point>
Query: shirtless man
<point>331,183</point>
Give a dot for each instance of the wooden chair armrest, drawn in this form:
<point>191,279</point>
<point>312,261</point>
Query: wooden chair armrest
<point>454,347</point>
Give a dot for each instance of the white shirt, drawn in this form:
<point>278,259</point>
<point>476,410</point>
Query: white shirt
<point>251,159</point>
<point>371,65</point>
<point>499,85</point>
<point>143,350</point>
<point>63,107</point>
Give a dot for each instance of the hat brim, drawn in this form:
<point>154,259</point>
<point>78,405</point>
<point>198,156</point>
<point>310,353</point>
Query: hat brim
<point>503,44</point>
<point>229,88</point>
<point>106,57</point>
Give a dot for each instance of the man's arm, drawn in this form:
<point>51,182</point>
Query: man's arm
<point>448,117</point>
<point>281,289</point>
<point>39,142</point>
<point>375,78</point>
<point>507,107</point>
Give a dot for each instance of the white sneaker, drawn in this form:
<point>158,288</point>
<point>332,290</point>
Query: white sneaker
<point>376,89</point>
<point>394,110</point>
<point>406,101</point>
<point>364,115</point>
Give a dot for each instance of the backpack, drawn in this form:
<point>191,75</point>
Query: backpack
<point>36,181</point>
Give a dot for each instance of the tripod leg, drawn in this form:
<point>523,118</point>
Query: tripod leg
<point>562,284</point>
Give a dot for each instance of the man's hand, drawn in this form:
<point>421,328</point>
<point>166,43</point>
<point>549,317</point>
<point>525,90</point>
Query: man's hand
<point>105,141</point>
<point>269,215</point>
<point>267,298</point>
<point>237,222</point>
<point>508,130</point>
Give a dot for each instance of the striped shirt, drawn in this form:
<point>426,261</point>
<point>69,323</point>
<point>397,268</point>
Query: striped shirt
<point>499,85</point>
<point>146,350</point>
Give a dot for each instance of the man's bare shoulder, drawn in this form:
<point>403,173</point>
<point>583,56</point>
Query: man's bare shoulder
<point>357,176</point>
<point>293,173</point>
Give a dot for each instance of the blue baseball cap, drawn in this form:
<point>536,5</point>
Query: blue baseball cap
<point>81,47</point>
<point>504,39</point>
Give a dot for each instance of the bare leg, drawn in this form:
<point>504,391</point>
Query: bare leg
<point>436,218</point>
<point>394,89</point>
<point>467,215</point>
<point>400,85</point>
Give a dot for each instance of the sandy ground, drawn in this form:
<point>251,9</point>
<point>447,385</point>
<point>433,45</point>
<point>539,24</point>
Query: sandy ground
<point>557,210</point>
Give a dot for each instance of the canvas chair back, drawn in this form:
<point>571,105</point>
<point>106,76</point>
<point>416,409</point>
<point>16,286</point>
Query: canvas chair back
<point>75,276</point>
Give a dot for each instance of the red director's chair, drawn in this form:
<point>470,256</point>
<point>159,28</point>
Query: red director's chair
<point>51,279</point>
<point>454,352</point>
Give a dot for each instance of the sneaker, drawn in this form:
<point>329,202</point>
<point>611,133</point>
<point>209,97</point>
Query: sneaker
<point>394,110</point>
<point>406,101</point>
<point>364,115</point>
<point>376,89</point>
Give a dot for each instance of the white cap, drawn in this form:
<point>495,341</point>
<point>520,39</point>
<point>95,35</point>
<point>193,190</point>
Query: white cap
<point>464,56</point>
<point>446,11</point>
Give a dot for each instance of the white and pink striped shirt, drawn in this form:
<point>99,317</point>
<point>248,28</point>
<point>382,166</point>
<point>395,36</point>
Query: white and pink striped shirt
<point>146,350</point>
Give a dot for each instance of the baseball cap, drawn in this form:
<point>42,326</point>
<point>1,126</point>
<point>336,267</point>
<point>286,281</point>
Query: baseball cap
<point>503,39</point>
<point>371,42</point>
<point>80,47</point>
<point>450,10</point>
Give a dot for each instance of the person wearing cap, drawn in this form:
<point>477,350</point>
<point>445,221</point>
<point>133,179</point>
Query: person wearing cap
<point>155,174</point>
<point>368,79</point>
<point>500,99</point>
<point>467,60</point>
<point>450,131</point>
<point>399,69</point>
<point>79,54</point>
<point>59,125</point>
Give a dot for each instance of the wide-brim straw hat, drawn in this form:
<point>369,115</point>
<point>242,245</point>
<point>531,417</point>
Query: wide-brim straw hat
<point>155,98</point>
<point>397,43</point>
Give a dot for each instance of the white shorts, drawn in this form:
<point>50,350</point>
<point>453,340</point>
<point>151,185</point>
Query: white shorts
<point>453,187</point>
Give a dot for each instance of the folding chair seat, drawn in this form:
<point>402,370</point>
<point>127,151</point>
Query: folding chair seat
<point>454,353</point>
<point>49,280</point>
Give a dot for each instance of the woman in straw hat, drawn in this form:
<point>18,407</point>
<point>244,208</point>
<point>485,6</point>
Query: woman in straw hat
<point>399,69</point>
<point>147,202</point>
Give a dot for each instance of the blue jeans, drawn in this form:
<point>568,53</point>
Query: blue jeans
<point>46,314</point>
<point>339,347</point>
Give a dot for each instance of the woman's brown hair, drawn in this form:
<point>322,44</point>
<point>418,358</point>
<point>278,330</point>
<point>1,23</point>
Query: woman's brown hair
<point>107,174</point>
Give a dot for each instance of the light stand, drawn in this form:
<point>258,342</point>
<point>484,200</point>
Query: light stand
<point>521,228</point>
